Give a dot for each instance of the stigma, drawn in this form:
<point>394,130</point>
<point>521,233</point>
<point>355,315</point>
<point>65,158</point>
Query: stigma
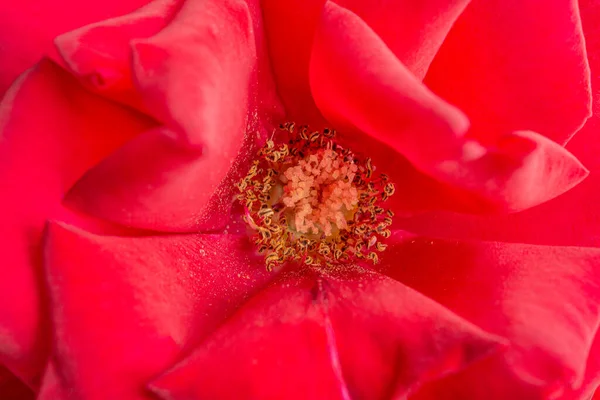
<point>311,201</point>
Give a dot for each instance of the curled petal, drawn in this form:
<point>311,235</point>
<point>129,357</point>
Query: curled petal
<point>198,77</point>
<point>100,53</point>
<point>27,29</point>
<point>413,31</point>
<point>360,84</point>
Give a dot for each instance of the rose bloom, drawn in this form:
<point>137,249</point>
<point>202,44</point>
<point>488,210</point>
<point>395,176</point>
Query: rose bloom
<point>129,270</point>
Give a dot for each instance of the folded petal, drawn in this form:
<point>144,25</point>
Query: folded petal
<point>100,54</point>
<point>51,132</point>
<point>544,300</point>
<point>198,76</point>
<point>413,31</point>
<point>346,335</point>
<point>124,308</point>
<point>27,29</point>
<point>516,65</point>
<point>359,83</point>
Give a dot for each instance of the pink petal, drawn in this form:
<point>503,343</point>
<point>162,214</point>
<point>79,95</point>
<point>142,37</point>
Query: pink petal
<point>51,131</point>
<point>124,309</point>
<point>413,31</point>
<point>349,336</point>
<point>516,65</point>
<point>544,300</point>
<point>28,27</point>
<point>359,83</point>
<point>197,76</point>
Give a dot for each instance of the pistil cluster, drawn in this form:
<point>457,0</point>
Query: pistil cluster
<point>311,201</point>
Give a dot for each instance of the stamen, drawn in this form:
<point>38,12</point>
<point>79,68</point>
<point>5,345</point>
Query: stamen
<point>311,201</point>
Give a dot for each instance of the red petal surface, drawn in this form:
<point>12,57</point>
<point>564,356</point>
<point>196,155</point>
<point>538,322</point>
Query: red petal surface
<point>12,388</point>
<point>544,300</point>
<point>351,335</point>
<point>100,54</point>
<point>198,76</point>
<point>571,219</point>
<point>413,31</point>
<point>290,26</point>
<point>358,82</point>
<point>52,132</point>
<point>27,28</point>
<point>516,65</point>
<point>124,309</point>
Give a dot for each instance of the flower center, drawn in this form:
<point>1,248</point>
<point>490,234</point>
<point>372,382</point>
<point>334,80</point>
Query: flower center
<point>310,200</point>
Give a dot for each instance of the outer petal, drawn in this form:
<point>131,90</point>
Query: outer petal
<point>413,31</point>
<point>51,131</point>
<point>360,83</point>
<point>124,309</point>
<point>572,219</point>
<point>356,335</point>
<point>200,77</point>
<point>516,65</point>
<point>544,300</point>
<point>27,29</point>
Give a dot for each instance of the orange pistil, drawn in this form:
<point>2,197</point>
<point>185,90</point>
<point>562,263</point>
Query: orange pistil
<point>311,201</point>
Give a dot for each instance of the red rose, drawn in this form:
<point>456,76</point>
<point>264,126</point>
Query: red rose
<point>129,273</point>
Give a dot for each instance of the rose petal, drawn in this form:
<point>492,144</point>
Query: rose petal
<point>27,29</point>
<point>352,335</point>
<point>585,144</point>
<point>13,388</point>
<point>572,219</point>
<point>100,54</point>
<point>51,131</point>
<point>198,76</point>
<point>142,301</point>
<point>516,65</point>
<point>544,300</point>
<point>358,82</point>
<point>413,31</point>
<point>290,26</point>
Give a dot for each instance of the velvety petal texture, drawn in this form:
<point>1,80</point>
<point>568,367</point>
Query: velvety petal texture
<point>360,83</point>
<point>128,271</point>
<point>516,65</point>
<point>197,76</point>
<point>142,301</point>
<point>544,300</point>
<point>52,132</point>
<point>355,335</point>
<point>28,28</point>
